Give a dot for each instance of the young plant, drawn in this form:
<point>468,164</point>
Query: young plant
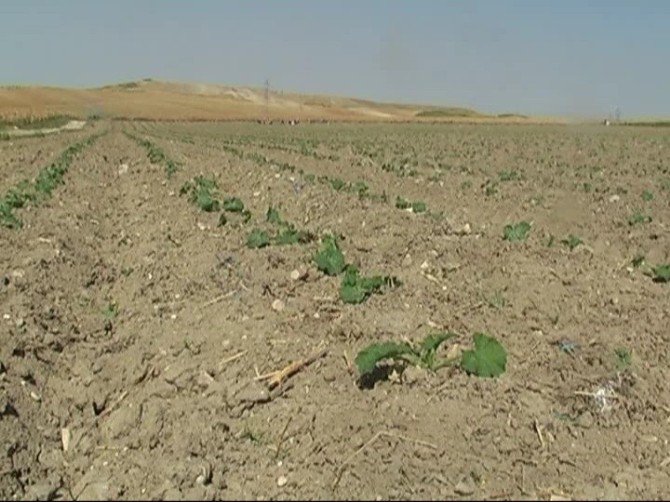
<point>233,205</point>
<point>647,196</point>
<point>203,193</point>
<point>637,218</point>
<point>330,259</point>
<point>355,289</point>
<point>661,273</point>
<point>258,239</point>
<point>516,232</point>
<point>289,235</point>
<point>572,241</point>
<point>338,184</point>
<point>623,358</point>
<point>416,207</point>
<point>272,216</point>
<point>488,359</point>
<point>638,261</point>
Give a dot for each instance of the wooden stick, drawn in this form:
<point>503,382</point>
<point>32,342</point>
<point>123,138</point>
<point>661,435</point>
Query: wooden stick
<point>276,378</point>
<point>219,298</point>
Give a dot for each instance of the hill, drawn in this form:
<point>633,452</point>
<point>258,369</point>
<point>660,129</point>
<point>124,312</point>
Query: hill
<point>156,100</point>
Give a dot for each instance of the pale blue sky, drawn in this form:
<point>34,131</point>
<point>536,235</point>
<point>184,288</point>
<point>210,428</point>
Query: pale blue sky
<point>562,57</point>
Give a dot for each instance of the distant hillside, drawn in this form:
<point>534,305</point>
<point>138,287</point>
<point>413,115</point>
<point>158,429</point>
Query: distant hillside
<point>157,100</point>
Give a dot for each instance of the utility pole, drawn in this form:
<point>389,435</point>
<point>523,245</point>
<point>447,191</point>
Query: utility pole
<point>267,100</point>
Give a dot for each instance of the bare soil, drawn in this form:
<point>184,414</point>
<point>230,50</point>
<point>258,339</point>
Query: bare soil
<point>134,329</point>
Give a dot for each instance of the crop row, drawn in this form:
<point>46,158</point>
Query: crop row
<point>32,192</point>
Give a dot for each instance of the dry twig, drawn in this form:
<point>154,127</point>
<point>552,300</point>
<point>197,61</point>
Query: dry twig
<point>277,378</point>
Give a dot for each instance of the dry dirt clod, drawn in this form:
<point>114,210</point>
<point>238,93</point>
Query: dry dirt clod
<point>278,305</point>
<point>281,481</point>
<point>465,487</point>
<point>299,274</point>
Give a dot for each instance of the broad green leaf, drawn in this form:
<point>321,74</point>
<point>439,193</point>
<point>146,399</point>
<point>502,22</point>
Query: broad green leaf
<point>355,289</point>
<point>572,241</point>
<point>432,342</point>
<point>330,259</point>
<point>337,184</point>
<point>272,216</point>
<point>401,203</point>
<point>661,273</point>
<point>290,235</point>
<point>419,207</point>
<point>516,232</point>
<point>233,205</point>
<point>352,289</point>
<point>367,359</point>
<point>258,239</point>
<point>488,359</point>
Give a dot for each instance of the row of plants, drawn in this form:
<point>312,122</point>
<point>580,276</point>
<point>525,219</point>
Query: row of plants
<point>518,232</point>
<point>156,155</point>
<point>32,192</point>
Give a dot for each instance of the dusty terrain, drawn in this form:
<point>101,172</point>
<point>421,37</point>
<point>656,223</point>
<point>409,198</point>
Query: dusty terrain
<point>133,328</point>
<point>155,100</point>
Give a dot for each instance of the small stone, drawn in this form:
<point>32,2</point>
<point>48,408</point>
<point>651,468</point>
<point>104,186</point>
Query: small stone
<point>201,226</point>
<point>424,265</point>
<point>586,420</point>
<point>299,274</point>
<point>281,481</point>
<point>123,169</point>
<point>65,438</point>
<point>614,198</point>
<point>465,230</point>
<point>278,305</point>
<point>465,487</point>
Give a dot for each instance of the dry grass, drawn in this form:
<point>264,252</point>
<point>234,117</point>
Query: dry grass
<point>153,100</point>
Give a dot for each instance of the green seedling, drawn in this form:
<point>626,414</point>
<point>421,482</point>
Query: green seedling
<point>355,289</point>
<point>509,176</point>
<point>638,261</point>
<point>401,203</point>
<point>361,188</point>
<point>203,193</point>
<point>330,259</point>
<point>419,207</point>
<point>647,196</point>
<point>637,218</point>
<point>111,311</point>
<point>550,242</point>
<point>272,216</point>
<point>7,217</point>
<point>233,205</point>
<point>338,184</point>
<point>258,239</point>
<point>289,235</point>
<point>624,358</point>
<point>572,241</point>
<point>488,359</point>
<point>516,232</point>
<point>416,207</point>
<point>661,273</point>
<point>491,188</point>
